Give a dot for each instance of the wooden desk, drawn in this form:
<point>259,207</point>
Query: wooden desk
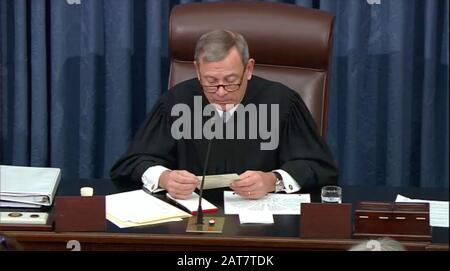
<point>181,242</point>
<point>282,235</point>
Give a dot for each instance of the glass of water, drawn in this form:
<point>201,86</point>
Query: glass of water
<point>331,194</point>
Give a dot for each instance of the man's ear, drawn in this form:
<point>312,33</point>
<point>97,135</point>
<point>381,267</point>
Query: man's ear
<point>197,70</point>
<point>250,66</point>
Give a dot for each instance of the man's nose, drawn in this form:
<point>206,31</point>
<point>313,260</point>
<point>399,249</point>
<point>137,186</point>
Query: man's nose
<point>221,91</point>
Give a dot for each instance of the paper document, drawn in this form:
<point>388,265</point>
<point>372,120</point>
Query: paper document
<point>138,208</point>
<point>438,210</point>
<point>29,186</point>
<point>277,204</point>
<point>122,224</point>
<point>261,217</point>
<point>217,181</point>
<point>191,204</point>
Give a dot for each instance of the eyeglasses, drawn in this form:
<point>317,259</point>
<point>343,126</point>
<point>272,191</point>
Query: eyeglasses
<point>228,87</point>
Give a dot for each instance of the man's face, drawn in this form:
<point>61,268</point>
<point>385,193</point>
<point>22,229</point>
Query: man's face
<point>228,71</point>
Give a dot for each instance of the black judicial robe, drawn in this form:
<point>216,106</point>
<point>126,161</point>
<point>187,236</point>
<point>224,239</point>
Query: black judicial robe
<point>301,151</point>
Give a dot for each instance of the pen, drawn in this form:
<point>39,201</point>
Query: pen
<point>146,190</point>
<point>178,205</point>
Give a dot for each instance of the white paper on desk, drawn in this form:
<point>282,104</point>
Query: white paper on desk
<point>277,204</point>
<point>138,208</point>
<point>260,217</point>
<point>217,181</point>
<point>122,224</point>
<point>438,210</point>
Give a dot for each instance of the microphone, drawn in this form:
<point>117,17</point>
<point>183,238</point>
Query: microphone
<point>205,167</point>
<point>197,224</point>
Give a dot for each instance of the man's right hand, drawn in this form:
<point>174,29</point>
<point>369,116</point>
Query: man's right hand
<point>179,183</point>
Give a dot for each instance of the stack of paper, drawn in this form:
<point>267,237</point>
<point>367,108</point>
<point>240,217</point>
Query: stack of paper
<point>262,210</point>
<point>138,208</point>
<point>277,204</point>
<point>438,210</point>
<point>28,186</point>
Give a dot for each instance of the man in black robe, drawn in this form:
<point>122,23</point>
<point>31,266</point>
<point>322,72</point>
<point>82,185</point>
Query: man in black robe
<point>168,155</point>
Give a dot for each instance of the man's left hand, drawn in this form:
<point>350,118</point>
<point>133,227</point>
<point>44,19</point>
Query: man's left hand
<point>254,184</point>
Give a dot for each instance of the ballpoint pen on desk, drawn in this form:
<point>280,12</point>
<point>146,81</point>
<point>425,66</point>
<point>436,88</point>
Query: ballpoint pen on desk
<point>146,190</point>
<point>178,205</point>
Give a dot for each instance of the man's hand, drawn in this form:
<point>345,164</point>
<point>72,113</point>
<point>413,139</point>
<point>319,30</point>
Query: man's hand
<point>179,183</point>
<point>254,184</point>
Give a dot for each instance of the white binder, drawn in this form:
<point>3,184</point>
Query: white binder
<point>28,186</point>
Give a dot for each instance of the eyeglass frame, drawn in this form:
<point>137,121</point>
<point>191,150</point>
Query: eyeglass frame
<point>223,85</point>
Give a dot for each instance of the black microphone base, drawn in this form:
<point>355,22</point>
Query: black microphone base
<point>206,226</point>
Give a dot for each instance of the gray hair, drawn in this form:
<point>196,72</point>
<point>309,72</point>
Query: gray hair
<point>384,244</point>
<point>215,46</point>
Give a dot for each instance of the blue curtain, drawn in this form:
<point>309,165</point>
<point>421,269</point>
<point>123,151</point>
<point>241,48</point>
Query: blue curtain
<point>77,78</point>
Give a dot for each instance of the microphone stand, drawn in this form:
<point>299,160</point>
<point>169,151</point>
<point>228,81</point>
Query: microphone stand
<point>205,166</point>
<point>197,224</point>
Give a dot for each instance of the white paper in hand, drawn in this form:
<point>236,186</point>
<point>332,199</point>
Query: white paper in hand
<point>217,181</point>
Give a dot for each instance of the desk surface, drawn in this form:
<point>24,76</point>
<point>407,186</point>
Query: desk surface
<point>282,235</point>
